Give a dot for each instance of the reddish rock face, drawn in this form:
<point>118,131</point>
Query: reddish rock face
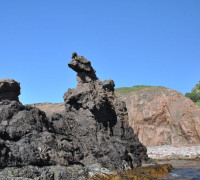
<point>162,116</point>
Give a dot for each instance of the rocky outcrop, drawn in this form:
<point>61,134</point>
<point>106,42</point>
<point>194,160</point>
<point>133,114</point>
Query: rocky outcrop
<point>9,89</point>
<point>102,120</point>
<point>161,116</point>
<point>91,135</point>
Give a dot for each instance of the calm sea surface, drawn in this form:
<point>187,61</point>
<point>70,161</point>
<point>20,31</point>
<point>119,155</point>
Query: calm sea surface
<point>184,170</point>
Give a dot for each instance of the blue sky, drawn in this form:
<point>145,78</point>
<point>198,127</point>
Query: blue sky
<point>133,42</point>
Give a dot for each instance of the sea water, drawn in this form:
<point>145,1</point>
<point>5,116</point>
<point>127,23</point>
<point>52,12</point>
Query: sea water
<point>183,170</point>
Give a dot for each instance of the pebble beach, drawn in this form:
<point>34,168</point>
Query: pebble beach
<point>170,152</point>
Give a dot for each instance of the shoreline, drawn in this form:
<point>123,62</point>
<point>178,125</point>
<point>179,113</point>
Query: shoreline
<point>167,152</point>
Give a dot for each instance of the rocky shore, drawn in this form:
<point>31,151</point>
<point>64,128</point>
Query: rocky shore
<point>169,152</point>
<point>89,134</point>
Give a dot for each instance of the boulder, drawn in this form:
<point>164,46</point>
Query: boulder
<point>9,89</point>
<point>161,116</point>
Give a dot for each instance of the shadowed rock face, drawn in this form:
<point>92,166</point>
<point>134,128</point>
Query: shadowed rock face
<point>9,89</point>
<point>91,134</point>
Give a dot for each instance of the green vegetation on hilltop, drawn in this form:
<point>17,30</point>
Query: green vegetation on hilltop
<point>195,94</point>
<point>126,90</point>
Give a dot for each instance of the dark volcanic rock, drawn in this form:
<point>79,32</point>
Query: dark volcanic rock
<point>92,135</point>
<point>38,147</point>
<point>9,89</point>
<point>102,120</point>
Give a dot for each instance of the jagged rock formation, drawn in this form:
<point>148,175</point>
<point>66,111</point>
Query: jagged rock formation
<point>91,135</point>
<point>94,104</point>
<point>9,89</point>
<point>162,116</point>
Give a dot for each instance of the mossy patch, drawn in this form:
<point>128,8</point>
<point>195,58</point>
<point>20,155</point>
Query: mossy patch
<point>140,173</point>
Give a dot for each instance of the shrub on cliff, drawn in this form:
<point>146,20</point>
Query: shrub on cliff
<point>194,96</point>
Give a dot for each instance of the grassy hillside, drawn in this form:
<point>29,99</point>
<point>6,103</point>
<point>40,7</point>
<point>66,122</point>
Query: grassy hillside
<point>126,90</point>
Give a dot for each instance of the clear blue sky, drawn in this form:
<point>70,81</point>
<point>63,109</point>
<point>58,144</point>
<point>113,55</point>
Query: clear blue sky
<point>133,42</point>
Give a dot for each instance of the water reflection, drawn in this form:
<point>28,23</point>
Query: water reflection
<point>184,170</point>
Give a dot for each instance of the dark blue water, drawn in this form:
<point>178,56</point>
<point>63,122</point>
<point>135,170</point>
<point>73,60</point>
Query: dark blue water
<point>184,170</point>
